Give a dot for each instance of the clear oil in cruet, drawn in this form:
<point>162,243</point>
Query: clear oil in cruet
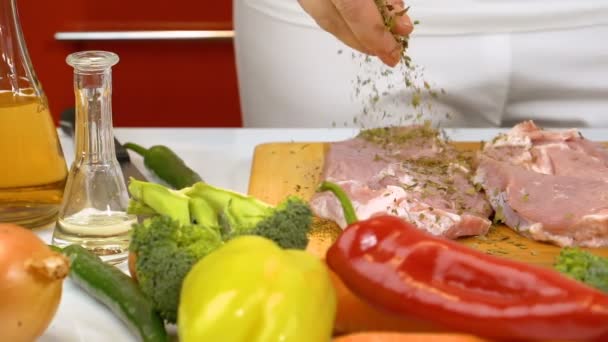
<point>93,213</point>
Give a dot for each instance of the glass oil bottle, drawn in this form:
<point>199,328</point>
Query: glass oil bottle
<point>32,166</point>
<point>93,212</point>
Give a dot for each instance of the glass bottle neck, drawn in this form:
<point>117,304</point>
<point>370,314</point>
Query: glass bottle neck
<point>94,137</point>
<point>16,71</point>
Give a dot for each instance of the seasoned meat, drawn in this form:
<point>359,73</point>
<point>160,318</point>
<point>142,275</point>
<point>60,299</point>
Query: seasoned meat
<point>562,153</point>
<point>410,172</point>
<point>550,186</point>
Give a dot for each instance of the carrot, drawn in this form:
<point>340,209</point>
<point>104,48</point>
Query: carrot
<point>132,261</point>
<point>355,315</point>
<point>408,337</point>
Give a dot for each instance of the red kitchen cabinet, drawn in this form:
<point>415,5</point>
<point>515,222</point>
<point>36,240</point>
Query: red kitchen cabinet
<point>160,81</point>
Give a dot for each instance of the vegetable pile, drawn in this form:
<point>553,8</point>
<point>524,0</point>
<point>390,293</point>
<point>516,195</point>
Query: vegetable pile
<point>226,266</point>
<point>185,225</point>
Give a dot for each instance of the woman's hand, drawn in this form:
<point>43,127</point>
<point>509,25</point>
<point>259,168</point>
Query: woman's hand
<point>359,24</point>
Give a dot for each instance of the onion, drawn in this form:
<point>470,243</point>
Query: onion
<point>31,279</point>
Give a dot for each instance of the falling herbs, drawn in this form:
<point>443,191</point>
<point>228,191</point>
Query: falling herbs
<point>391,96</point>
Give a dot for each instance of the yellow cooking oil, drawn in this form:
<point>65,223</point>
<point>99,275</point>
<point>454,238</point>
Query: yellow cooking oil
<point>32,167</point>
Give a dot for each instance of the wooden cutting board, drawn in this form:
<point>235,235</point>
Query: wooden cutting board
<point>282,169</point>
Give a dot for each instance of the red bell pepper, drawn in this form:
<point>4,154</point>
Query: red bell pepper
<point>394,265</point>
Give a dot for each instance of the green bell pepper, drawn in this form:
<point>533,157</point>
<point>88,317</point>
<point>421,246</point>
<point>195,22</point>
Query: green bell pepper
<point>251,290</point>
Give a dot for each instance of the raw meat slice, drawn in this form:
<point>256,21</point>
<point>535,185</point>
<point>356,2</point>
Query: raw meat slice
<point>410,172</point>
<point>564,210</point>
<point>564,153</point>
<point>549,185</point>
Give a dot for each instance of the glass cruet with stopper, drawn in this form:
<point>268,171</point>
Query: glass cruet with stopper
<point>32,166</point>
<point>93,212</point>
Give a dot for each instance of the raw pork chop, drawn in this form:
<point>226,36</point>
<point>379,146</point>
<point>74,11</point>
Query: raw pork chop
<point>550,186</point>
<point>409,172</point>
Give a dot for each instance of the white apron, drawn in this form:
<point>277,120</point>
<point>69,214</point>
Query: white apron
<point>498,61</point>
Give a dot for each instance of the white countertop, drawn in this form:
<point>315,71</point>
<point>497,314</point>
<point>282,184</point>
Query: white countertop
<point>222,157</point>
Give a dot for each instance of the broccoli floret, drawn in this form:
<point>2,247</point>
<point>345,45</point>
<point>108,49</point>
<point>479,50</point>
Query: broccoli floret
<point>584,266</point>
<point>287,224</point>
<point>166,251</point>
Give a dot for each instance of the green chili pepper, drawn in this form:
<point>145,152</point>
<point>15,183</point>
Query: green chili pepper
<point>167,165</point>
<point>117,291</point>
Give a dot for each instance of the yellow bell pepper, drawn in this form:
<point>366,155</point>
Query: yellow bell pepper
<point>251,290</point>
